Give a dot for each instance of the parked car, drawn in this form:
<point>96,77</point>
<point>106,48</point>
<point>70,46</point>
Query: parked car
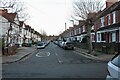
<point>60,43</point>
<point>56,42</point>
<point>40,45</point>
<point>114,68</point>
<point>46,43</point>
<point>68,45</point>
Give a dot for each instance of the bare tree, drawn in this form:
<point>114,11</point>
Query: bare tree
<point>86,10</point>
<point>15,6</point>
<point>44,34</point>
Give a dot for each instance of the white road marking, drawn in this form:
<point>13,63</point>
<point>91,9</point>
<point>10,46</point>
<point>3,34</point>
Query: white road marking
<point>58,58</point>
<point>43,54</point>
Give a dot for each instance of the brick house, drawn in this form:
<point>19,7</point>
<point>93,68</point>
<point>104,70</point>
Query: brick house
<point>28,35</point>
<point>105,33</point>
<point>15,33</point>
<point>10,25</point>
<point>21,33</point>
<point>108,28</point>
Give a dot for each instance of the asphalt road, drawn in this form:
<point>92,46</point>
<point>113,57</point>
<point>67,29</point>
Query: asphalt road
<point>55,62</point>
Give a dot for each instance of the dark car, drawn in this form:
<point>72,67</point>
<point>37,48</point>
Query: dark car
<point>68,45</point>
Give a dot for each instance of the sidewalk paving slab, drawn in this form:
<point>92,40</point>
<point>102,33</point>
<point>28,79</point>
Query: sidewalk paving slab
<point>21,53</point>
<point>95,55</point>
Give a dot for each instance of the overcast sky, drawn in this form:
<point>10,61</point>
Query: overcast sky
<point>49,15</point>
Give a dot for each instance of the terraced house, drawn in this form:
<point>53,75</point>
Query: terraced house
<point>108,28</point>
<point>15,33</point>
<point>9,31</point>
<point>105,34</point>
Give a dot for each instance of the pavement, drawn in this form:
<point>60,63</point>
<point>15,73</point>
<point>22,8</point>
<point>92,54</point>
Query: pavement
<point>95,55</point>
<point>25,51</point>
<point>20,54</point>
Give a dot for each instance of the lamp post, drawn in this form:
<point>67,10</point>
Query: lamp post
<point>65,26</point>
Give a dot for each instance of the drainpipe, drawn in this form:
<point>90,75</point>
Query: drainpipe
<point>119,34</point>
<point>119,42</point>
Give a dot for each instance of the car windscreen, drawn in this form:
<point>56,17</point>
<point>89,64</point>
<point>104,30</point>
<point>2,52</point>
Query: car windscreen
<point>116,61</point>
<point>68,43</point>
<point>40,44</point>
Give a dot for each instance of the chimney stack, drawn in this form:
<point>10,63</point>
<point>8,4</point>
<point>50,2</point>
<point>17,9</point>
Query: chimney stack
<point>110,2</point>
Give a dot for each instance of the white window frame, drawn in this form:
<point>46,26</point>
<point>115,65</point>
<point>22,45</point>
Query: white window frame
<point>114,17</point>
<point>109,17</point>
<point>119,34</point>
<point>83,28</point>
<point>98,37</point>
<point>114,36</point>
<point>75,32</point>
<point>102,21</point>
<point>79,30</point>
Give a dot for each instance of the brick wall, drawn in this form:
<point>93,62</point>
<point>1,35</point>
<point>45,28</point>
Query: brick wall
<point>109,48</point>
<point>11,50</point>
<point>118,16</point>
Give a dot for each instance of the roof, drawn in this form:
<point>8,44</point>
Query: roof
<point>9,16</point>
<point>26,27</point>
<point>114,7</point>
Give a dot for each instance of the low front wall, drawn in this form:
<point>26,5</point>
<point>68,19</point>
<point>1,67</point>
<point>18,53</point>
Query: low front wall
<point>80,45</point>
<point>108,48</point>
<point>11,50</point>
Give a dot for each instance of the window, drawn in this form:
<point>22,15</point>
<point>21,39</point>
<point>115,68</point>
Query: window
<point>102,36</point>
<point>113,36</point>
<point>114,17</point>
<point>98,37</point>
<point>109,19</point>
<point>93,37</point>
<point>75,32</point>
<point>102,22</point>
<point>79,30</point>
<point>70,33</point>
<point>83,28</point>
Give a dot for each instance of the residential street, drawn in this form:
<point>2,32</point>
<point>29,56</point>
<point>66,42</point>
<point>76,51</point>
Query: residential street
<point>68,39</point>
<point>55,62</point>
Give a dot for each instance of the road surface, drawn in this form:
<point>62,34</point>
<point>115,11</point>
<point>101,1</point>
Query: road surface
<point>55,62</point>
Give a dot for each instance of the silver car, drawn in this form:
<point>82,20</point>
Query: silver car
<point>114,68</point>
<point>40,45</point>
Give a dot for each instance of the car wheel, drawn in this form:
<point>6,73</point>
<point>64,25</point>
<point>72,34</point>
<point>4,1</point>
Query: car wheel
<point>72,48</point>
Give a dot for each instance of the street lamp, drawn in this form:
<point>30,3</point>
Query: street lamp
<point>65,26</point>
